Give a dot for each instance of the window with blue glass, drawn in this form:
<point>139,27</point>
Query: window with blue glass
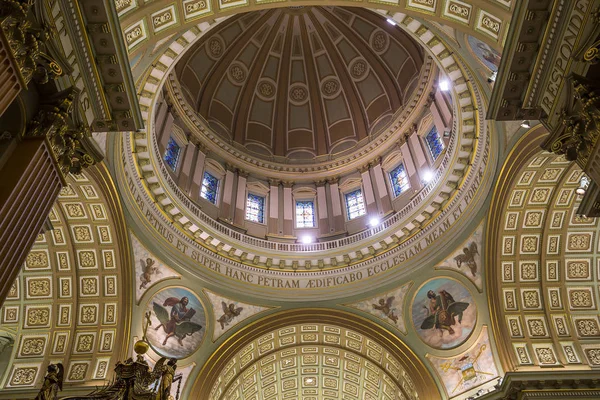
<point>210,188</point>
<point>255,208</point>
<point>355,204</point>
<point>399,180</point>
<point>305,214</point>
<point>435,143</point>
<point>172,154</point>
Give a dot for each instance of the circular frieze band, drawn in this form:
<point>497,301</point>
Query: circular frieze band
<point>416,228</point>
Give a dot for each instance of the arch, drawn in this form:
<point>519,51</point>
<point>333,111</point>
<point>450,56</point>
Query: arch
<point>542,290</point>
<point>334,329</point>
<point>72,301</point>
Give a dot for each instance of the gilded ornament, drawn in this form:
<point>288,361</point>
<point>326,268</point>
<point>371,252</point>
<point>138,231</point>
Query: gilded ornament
<point>545,355</point>
<point>23,376</point>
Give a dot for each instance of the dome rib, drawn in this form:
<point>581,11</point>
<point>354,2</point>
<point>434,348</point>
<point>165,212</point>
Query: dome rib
<point>382,72</point>
<point>240,123</point>
<point>220,70</point>
<point>317,113</point>
<point>301,85</point>
<point>359,120</point>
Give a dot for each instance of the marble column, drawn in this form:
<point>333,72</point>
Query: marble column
<point>337,211</point>
<point>184,179</point>
<point>198,175</point>
<point>383,197</point>
<point>227,205</point>
<point>288,209</point>
<point>165,132</point>
<point>370,204</point>
<point>324,227</point>
<point>240,198</point>
<point>409,164</point>
<point>273,221</point>
<point>11,82</point>
<point>31,181</point>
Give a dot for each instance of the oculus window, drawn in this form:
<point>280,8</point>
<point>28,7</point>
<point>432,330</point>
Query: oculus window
<point>434,143</point>
<point>172,154</point>
<point>210,188</point>
<point>255,208</point>
<point>305,214</point>
<point>355,204</point>
<point>399,180</point>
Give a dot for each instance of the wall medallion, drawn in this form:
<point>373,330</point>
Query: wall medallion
<point>178,322</point>
<point>444,313</point>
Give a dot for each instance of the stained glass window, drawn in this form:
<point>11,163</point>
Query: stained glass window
<point>255,208</point>
<point>172,154</point>
<point>210,188</point>
<point>399,180</point>
<point>355,204</point>
<point>435,143</point>
<point>305,214</point>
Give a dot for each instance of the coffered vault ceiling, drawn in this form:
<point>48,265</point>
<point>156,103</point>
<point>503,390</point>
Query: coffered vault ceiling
<point>71,303</point>
<point>300,82</point>
<point>546,270</point>
<point>74,303</point>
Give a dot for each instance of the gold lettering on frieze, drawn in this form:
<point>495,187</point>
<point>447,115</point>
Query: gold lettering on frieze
<point>564,50</point>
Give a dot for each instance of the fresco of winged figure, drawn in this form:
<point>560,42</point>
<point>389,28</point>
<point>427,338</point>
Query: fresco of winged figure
<point>178,322</point>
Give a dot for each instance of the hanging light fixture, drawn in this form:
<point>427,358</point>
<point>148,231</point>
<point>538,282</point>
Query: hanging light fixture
<point>526,124</point>
<point>584,182</point>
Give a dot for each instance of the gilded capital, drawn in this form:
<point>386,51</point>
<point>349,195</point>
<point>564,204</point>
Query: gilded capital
<point>274,182</point>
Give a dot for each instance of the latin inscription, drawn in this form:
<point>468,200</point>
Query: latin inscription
<point>299,280</point>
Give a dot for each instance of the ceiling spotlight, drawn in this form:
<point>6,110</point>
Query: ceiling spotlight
<point>525,124</point>
<point>391,21</point>
<point>307,239</point>
<point>493,77</point>
<point>584,182</point>
<point>427,176</point>
<point>444,85</point>
<point>374,221</point>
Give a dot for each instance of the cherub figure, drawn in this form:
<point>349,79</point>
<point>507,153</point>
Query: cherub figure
<point>468,257</point>
<point>385,306</point>
<point>53,382</point>
<point>229,313</point>
<point>148,269</point>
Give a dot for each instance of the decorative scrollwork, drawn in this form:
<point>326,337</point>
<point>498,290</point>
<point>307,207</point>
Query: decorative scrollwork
<point>52,121</point>
<point>26,42</point>
<point>580,128</point>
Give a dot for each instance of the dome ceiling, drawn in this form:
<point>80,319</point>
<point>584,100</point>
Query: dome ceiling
<point>301,82</point>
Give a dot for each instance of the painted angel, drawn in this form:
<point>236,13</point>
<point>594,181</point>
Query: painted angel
<point>177,323</point>
<point>229,313</point>
<point>468,257</point>
<point>148,269</point>
<point>385,306</point>
<point>53,382</point>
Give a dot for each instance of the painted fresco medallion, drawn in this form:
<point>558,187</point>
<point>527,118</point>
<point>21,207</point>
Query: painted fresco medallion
<point>484,53</point>
<point>178,322</point>
<point>444,313</point>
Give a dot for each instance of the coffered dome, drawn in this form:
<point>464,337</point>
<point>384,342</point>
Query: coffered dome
<point>301,82</point>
